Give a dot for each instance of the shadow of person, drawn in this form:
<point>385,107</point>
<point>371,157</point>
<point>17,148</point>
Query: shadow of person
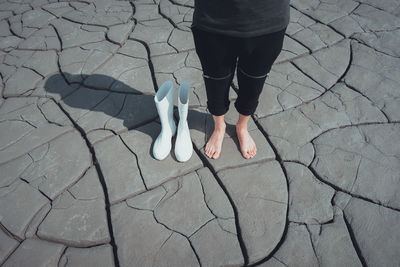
<point>112,107</point>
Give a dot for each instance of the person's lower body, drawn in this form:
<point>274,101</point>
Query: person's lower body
<point>222,55</point>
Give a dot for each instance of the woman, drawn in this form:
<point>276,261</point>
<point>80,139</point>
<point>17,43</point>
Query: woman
<point>241,35</point>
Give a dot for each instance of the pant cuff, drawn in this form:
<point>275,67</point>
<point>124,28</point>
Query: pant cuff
<point>217,111</point>
<point>245,111</point>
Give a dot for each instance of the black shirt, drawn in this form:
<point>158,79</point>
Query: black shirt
<point>241,18</point>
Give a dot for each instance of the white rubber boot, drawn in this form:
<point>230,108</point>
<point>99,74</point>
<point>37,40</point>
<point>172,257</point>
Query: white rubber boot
<point>164,100</point>
<point>183,144</point>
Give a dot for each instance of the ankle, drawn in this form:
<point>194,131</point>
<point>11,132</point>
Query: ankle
<point>241,127</point>
<point>220,128</point>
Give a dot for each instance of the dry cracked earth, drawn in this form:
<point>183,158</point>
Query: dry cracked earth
<point>79,186</point>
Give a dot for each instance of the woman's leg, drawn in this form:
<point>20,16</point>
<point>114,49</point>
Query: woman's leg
<point>247,144</point>
<point>214,144</point>
<point>218,60</point>
<point>256,56</point>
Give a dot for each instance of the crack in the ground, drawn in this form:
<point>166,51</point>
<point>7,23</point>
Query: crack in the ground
<point>337,188</point>
<point>354,241</point>
<point>179,4</point>
<point>170,229</point>
<point>61,256</point>
<point>39,107</point>
<point>308,76</point>
<point>204,195</point>
<point>312,245</point>
<point>235,210</point>
<point>222,228</point>
<point>9,233</point>
<point>2,228</point>
<point>201,226</point>
<point>165,16</point>
<point>205,161</point>
<point>267,199</point>
<point>102,181</point>
<point>319,21</point>
<point>179,187</point>
<point>137,161</point>
<point>280,161</point>
<point>150,63</point>
<point>369,46</point>
<point>372,102</point>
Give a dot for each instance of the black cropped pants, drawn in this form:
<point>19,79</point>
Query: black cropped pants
<point>220,55</point>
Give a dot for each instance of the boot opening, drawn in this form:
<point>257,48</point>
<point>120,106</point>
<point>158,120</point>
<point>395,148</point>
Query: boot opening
<point>164,89</point>
<point>184,90</point>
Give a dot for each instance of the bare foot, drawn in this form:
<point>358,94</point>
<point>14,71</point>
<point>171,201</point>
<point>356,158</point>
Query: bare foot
<point>214,144</point>
<point>247,144</point>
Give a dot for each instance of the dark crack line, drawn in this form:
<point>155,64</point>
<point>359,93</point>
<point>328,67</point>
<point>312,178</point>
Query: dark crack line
<point>189,241</point>
<point>302,44</point>
<point>280,261</point>
<point>115,115</point>
<point>152,72</point>
<point>374,7</point>
<point>102,181</point>
<point>66,259</point>
<point>179,4</point>
<point>355,179</point>
<point>45,117</point>
<point>312,245</point>
<point>40,191</point>
<point>9,233</point>
<point>308,76</point>
<point>114,42</point>
<point>13,32</point>
<point>204,195</point>
<point>317,20</point>
<point>222,228</point>
<point>372,102</point>
<point>212,219</point>
<point>105,89</point>
<point>172,230</point>
<point>137,162</point>
<point>371,47</point>
<point>59,39</point>
<point>235,210</point>
<point>11,252</point>
<point>93,108</point>
<point>354,241</point>
<point>86,75</point>
<point>351,12</point>
<point>279,159</point>
<point>86,23</point>
<point>165,197</point>
<point>344,126</point>
<point>309,119</point>
<point>347,191</point>
<point>267,199</point>
<point>163,243</point>
<point>255,162</point>
<point>166,17</point>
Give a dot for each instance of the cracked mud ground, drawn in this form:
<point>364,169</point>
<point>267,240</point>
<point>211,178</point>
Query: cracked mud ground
<point>79,186</point>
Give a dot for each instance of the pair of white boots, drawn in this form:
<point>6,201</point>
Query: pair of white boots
<point>164,100</point>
